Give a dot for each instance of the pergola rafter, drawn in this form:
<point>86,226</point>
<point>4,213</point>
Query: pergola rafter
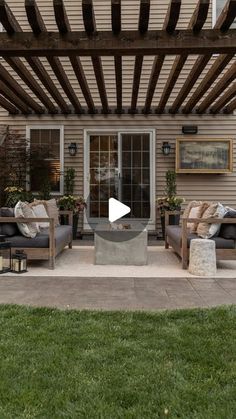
<point>194,40</point>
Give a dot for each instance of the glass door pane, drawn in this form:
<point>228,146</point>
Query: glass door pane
<point>135,174</point>
<point>103,173</point>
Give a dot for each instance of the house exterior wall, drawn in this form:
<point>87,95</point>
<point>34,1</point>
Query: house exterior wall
<point>167,127</point>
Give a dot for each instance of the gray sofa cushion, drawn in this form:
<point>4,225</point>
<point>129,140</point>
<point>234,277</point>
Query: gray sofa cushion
<point>228,231</point>
<point>8,229</point>
<point>175,234</point>
<point>63,235</point>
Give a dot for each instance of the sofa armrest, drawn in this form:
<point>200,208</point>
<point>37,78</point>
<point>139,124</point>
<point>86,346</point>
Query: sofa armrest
<point>69,214</point>
<point>210,220</point>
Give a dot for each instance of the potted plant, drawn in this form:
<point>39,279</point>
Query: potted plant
<point>77,205</point>
<point>15,194</point>
<point>170,202</point>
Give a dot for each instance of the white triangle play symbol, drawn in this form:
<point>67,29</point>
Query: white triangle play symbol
<point>117,210</point>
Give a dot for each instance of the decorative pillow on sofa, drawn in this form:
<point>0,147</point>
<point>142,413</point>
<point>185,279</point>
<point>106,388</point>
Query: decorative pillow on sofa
<point>40,211</point>
<point>228,231</point>
<point>205,230</point>
<point>194,213</point>
<point>195,209</point>
<point>23,210</point>
<point>8,229</point>
<point>51,208</point>
<point>191,205</point>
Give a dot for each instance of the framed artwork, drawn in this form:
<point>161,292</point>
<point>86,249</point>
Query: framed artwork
<point>204,155</point>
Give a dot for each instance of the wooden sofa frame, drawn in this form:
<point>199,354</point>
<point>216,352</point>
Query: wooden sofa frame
<point>47,253</point>
<point>183,251</point>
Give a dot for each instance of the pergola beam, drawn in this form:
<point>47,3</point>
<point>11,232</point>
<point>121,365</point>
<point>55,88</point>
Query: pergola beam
<point>223,24</point>
<point>196,24</point>
<point>224,99</point>
<point>64,27</point>
<point>90,27</point>
<point>118,72</point>
<point>144,14</point>
<point>230,108</point>
<point>38,27</point>
<point>217,68</point>
<point>169,26</point>
<point>218,89</point>
<point>10,95</point>
<point>116,16</point>
<point>12,109</point>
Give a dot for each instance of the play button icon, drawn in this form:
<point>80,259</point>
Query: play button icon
<point>117,210</point>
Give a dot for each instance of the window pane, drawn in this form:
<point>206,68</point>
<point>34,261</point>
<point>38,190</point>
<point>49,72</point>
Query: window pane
<point>45,158</point>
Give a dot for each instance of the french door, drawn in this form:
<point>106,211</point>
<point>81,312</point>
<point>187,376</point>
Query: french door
<point>119,165</point>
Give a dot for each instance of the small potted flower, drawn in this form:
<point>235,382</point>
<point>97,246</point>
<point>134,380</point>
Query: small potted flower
<point>77,205</point>
<point>170,202</point>
<point>15,194</point>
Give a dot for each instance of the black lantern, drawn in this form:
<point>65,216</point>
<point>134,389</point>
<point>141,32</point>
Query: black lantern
<point>166,148</point>
<point>19,262</point>
<point>5,255</point>
<point>72,149</point>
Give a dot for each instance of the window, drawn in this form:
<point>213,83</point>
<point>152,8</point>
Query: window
<point>46,147</point>
<point>218,6</point>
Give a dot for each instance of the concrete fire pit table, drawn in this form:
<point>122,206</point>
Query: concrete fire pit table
<point>121,247</point>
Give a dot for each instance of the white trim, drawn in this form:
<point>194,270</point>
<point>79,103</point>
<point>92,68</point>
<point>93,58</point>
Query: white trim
<point>58,127</point>
<point>213,13</point>
<point>152,132</point>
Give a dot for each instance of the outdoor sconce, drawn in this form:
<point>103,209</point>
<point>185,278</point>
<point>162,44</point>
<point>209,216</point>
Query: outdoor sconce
<point>166,148</point>
<point>72,149</point>
<point>189,129</point>
<point>5,255</point>
<point>19,262</point>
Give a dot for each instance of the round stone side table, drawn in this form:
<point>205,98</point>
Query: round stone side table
<point>202,257</point>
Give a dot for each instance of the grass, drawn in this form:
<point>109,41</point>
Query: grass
<point>70,364</point>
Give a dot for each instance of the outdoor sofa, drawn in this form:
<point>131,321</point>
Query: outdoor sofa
<point>47,244</point>
<point>179,238</point>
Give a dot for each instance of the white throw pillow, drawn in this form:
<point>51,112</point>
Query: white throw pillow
<point>40,211</point>
<point>205,230</point>
<point>22,210</point>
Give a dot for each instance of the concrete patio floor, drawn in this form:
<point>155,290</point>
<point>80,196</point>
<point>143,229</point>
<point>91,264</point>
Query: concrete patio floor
<point>77,283</point>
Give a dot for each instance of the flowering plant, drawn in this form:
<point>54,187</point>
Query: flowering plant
<point>172,203</point>
<point>72,203</point>
<point>15,194</point>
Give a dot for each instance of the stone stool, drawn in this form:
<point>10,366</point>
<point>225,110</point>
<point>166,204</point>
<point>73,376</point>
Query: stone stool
<point>202,257</point>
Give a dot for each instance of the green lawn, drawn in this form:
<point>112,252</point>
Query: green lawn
<point>71,364</point>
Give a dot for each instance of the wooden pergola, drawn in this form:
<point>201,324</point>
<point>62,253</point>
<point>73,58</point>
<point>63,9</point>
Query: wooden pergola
<point>17,46</point>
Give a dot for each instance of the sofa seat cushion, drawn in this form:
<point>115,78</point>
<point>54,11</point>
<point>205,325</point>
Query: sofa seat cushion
<point>63,235</point>
<point>175,234</point>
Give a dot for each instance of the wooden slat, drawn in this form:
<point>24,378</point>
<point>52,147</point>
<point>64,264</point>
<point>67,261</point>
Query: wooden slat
<point>216,69</point>
<point>61,17</point>
<point>10,95</point>
<point>64,27</point>
<point>11,26</point>
<point>36,22</point>
<point>90,27</point>
<point>231,107</point>
<point>118,72</point>
<point>88,16</point>
<point>128,43</point>
<point>223,23</point>
<point>12,109</point>
<point>144,14</point>
<point>224,99</point>
<point>116,16</point>
<point>169,26</point>
<point>22,71</point>
<point>10,82</point>
<point>196,23</point>
<point>219,88</point>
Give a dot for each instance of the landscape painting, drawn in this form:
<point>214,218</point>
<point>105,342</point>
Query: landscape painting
<point>203,156</point>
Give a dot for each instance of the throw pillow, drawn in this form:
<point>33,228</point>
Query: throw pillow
<point>194,213</point>
<point>228,231</point>
<point>23,210</point>
<point>40,211</point>
<point>52,210</point>
<point>205,230</point>
<point>191,205</point>
<point>8,229</point>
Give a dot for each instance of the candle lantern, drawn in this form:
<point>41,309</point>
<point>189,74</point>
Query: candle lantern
<point>19,262</point>
<point>5,255</point>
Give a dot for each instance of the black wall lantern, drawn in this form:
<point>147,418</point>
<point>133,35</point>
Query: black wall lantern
<point>189,129</point>
<point>166,148</point>
<point>72,149</point>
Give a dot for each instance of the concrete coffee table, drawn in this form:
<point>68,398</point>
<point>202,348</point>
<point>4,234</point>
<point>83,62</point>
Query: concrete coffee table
<point>121,247</point>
